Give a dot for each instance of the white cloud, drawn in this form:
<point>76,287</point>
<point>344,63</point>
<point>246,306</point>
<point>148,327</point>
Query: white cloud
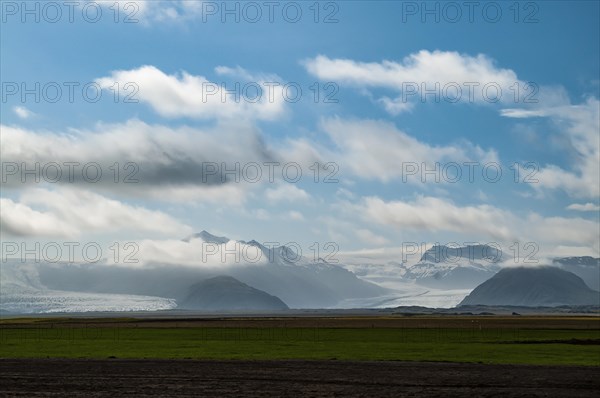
<point>523,113</point>
<point>187,95</point>
<point>378,150</point>
<point>584,207</point>
<point>295,215</point>
<point>19,219</point>
<point>71,212</point>
<point>371,238</point>
<point>580,124</point>
<point>483,222</point>
<point>550,231</point>
<point>23,112</point>
<point>482,196</point>
<point>221,194</point>
<point>419,71</point>
<point>261,214</point>
<point>433,214</point>
<point>197,253</point>
<point>152,11</point>
<point>173,165</point>
<point>344,193</point>
<point>396,106</point>
<point>286,192</point>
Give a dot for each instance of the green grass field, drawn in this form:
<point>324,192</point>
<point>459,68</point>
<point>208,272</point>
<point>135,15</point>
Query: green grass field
<point>515,346</point>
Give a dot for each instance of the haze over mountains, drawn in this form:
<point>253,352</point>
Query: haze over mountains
<point>587,268</point>
<point>247,275</point>
<point>297,281</point>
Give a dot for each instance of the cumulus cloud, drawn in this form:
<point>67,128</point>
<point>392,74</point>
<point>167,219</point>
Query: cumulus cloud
<point>152,161</point>
<point>18,219</point>
<point>287,193</point>
<point>580,125</point>
<point>71,212</point>
<point>432,214</point>
<point>584,207</point>
<point>472,79</point>
<point>371,238</point>
<point>198,253</point>
<point>378,150</point>
<point>523,113</point>
<point>187,95</point>
<point>295,215</point>
<point>152,11</point>
<point>22,112</point>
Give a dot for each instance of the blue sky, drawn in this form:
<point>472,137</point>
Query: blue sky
<point>369,57</point>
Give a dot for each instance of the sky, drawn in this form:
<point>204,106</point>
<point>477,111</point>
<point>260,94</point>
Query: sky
<point>349,127</point>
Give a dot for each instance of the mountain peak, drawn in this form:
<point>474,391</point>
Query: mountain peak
<point>442,253</point>
<point>207,237</point>
<point>253,243</point>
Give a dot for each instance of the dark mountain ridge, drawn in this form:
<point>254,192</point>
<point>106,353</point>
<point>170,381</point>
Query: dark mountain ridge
<point>224,293</point>
<point>533,287</point>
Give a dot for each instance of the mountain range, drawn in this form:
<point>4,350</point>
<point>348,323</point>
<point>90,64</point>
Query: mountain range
<point>299,282</point>
<point>442,277</point>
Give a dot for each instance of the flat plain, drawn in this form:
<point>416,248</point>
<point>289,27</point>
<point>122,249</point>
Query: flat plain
<point>265,356</point>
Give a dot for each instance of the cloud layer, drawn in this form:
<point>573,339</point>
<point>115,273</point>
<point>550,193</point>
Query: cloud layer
<point>71,213</point>
<point>191,96</point>
<point>455,77</point>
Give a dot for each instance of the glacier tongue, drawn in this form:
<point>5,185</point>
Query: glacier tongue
<point>52,301</point>
<point>22,292</point>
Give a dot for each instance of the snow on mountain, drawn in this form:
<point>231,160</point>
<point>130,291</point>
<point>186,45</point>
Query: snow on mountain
<point>299,281</point>
<point>279,271</point>
<point>584,261</point>
<point>441,277</point>
<point>228,251</point>
<point>446,267</point>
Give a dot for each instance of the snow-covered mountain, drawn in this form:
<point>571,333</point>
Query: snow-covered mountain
<point>446,267</point>
<point>279,271</point>
<point>441,278</point>
<point>443,275</point>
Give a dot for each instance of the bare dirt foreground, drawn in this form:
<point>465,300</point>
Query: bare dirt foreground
<point>192,378</point>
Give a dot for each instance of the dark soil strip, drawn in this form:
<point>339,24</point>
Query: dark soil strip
<point>192,378</point>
